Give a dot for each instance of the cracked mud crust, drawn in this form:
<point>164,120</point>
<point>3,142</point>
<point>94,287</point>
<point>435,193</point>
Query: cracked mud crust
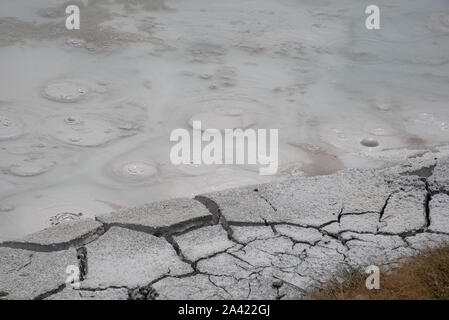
<point>272,241</point>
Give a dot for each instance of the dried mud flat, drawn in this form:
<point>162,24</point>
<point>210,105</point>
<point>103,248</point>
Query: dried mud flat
<point>270,241</point>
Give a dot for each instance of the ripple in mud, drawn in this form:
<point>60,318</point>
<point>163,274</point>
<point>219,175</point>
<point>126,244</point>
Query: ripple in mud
<point>72,90</point>
<point>384,107</point>
<point>10,127</point>
<point>85,131</point>
<point>65,217</point>
<point>379,129</point>
<point>221,118</point>
<point>196,169</point>
<point>207,53</point>
<point>134,171</point>
<point>19,149</point>
<point>76,43</point>
<point>31,168</point>
<point>355,138</point>
<point>320,161</point>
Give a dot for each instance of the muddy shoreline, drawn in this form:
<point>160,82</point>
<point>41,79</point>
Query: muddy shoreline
<point>269,241</point>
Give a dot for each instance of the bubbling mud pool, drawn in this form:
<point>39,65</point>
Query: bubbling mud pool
<point>86,115</point>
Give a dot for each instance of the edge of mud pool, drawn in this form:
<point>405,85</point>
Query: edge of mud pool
<point>269,241</point>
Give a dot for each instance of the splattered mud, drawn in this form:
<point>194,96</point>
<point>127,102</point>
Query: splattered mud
<point>85,115</point>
